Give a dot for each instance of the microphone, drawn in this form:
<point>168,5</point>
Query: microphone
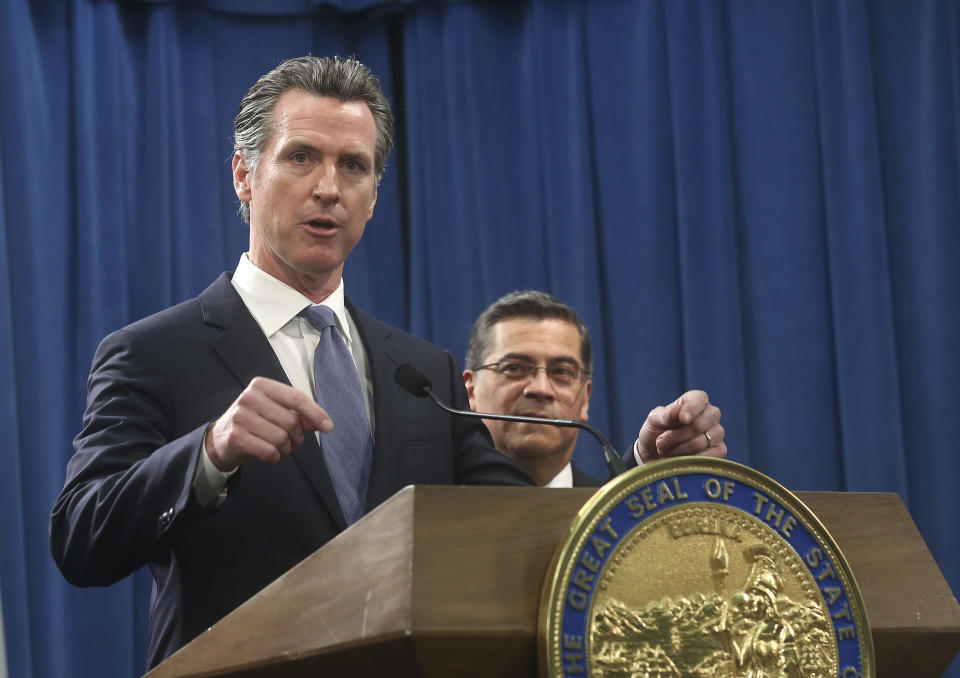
<point>414,382</point>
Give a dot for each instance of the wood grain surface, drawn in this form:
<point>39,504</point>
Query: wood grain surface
<point>445,581</point>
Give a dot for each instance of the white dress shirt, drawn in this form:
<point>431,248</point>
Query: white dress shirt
<point>565,477</point>
<point>276,307</point>
<point>562,479</point>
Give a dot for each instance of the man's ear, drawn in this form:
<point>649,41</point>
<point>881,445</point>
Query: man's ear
<point>373,202</point>
<point>587,390</point>
<point>469,377</point>
<point>241,177</point>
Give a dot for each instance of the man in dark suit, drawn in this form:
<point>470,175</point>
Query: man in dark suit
<point>191,413</point>
<point>530,354</point>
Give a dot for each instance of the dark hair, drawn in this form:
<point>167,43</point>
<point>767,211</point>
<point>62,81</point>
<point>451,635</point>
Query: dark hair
<point>524,304</point>
<point>343,79</point>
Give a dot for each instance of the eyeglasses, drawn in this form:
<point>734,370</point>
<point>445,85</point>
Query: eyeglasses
<point>562,374</point>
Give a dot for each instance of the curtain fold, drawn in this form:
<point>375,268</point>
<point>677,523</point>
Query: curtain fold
<point>857,250</point>
<point>13,569</point>
<point>758,199</point>
<point>916,74</point>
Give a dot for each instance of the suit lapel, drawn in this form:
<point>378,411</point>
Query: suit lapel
<point>581,479</point>
<point>388,408</point>
<point>247,354</point>
<point>241,345</point>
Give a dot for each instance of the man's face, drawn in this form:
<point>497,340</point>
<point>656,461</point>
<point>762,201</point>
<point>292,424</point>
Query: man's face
<point>313,189</point>
<point>542,342</point>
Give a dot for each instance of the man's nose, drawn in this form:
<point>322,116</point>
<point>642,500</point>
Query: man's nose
<point>327,187</point>
<point>539,384</point>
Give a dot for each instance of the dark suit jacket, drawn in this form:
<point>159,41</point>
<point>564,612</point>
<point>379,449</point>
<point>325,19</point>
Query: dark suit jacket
<point>581,479</point>
<point>153,388</point>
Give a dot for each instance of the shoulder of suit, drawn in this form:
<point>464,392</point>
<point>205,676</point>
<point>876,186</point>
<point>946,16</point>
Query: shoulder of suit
<point>374,327</point>
<point>175,323</point>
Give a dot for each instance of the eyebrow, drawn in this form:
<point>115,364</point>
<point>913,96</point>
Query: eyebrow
<point>294,145</point>
<point>358,156</point>
<point>297,145</point>
<point>551,361</point>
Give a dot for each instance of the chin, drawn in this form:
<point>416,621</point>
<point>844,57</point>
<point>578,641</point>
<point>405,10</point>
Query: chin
<point>530,450</point>
<point>316,267</point>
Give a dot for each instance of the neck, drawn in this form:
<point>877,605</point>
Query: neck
<point>542,469</point>
<point>315,287</point>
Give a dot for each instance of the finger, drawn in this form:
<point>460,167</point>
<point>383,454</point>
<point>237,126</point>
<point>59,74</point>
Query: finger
<point>285,432</point>
<point>254,447</point>
<point>710,442</point>
<point>260,423</point>
<point>717,451</point>
<point>313,417</point>
<point>704,422</point>
<point>680,412</point>
<point>653,426</point>
<point>282,441</point>
<point>690,406</point>
<point>665,418</point>
<point>660,417</point>
<point>647,448</point>
<point>259,413</point>
<point>232,443</point>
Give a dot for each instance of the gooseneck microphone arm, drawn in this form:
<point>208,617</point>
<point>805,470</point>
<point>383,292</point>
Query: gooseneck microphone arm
<point>417,384</point>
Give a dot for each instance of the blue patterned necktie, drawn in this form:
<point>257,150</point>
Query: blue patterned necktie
<point>348,448</point>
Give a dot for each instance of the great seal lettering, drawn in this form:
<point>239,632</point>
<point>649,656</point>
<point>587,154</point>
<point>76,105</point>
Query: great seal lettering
<point>701,567</point>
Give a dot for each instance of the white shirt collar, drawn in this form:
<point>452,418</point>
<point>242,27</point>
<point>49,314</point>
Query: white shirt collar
<point>274,303</point>
<point>562,479</point>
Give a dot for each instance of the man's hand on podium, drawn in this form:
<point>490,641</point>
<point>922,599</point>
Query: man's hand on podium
<point>689,425</point>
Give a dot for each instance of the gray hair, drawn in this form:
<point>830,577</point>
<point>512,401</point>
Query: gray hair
<point>343,79</point>
<point>524,304</point>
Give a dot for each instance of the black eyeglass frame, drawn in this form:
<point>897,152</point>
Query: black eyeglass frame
<point>534,368</point>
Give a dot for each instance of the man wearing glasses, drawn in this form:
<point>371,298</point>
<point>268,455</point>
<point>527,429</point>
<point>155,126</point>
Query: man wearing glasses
<point>530,354</point>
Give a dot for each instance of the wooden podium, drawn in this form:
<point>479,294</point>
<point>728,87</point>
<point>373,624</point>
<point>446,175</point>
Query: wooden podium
<point>445,582</point>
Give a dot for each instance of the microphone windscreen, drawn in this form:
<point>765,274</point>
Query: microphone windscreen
<point>412,380</point>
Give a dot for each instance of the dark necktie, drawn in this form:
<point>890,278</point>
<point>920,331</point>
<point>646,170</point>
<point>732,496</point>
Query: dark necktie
<point>348,448</point>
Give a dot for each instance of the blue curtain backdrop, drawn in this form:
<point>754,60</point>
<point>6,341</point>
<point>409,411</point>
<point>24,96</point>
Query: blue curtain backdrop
<point>761,199</point>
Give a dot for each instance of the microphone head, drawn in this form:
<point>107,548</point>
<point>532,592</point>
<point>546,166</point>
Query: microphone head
<point>412,380</point>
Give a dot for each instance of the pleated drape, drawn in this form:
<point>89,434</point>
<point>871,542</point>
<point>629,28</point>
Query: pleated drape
<point>758,199</point>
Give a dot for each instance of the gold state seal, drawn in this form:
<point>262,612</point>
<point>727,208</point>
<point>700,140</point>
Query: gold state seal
<point>701,567</point>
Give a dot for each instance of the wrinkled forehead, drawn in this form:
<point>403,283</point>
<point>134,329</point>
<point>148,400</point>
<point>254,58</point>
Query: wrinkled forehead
<point>539,339</point>
<point>299,113</point>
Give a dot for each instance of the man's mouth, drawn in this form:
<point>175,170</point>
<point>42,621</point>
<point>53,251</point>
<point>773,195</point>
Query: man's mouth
<point>322,225</point>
